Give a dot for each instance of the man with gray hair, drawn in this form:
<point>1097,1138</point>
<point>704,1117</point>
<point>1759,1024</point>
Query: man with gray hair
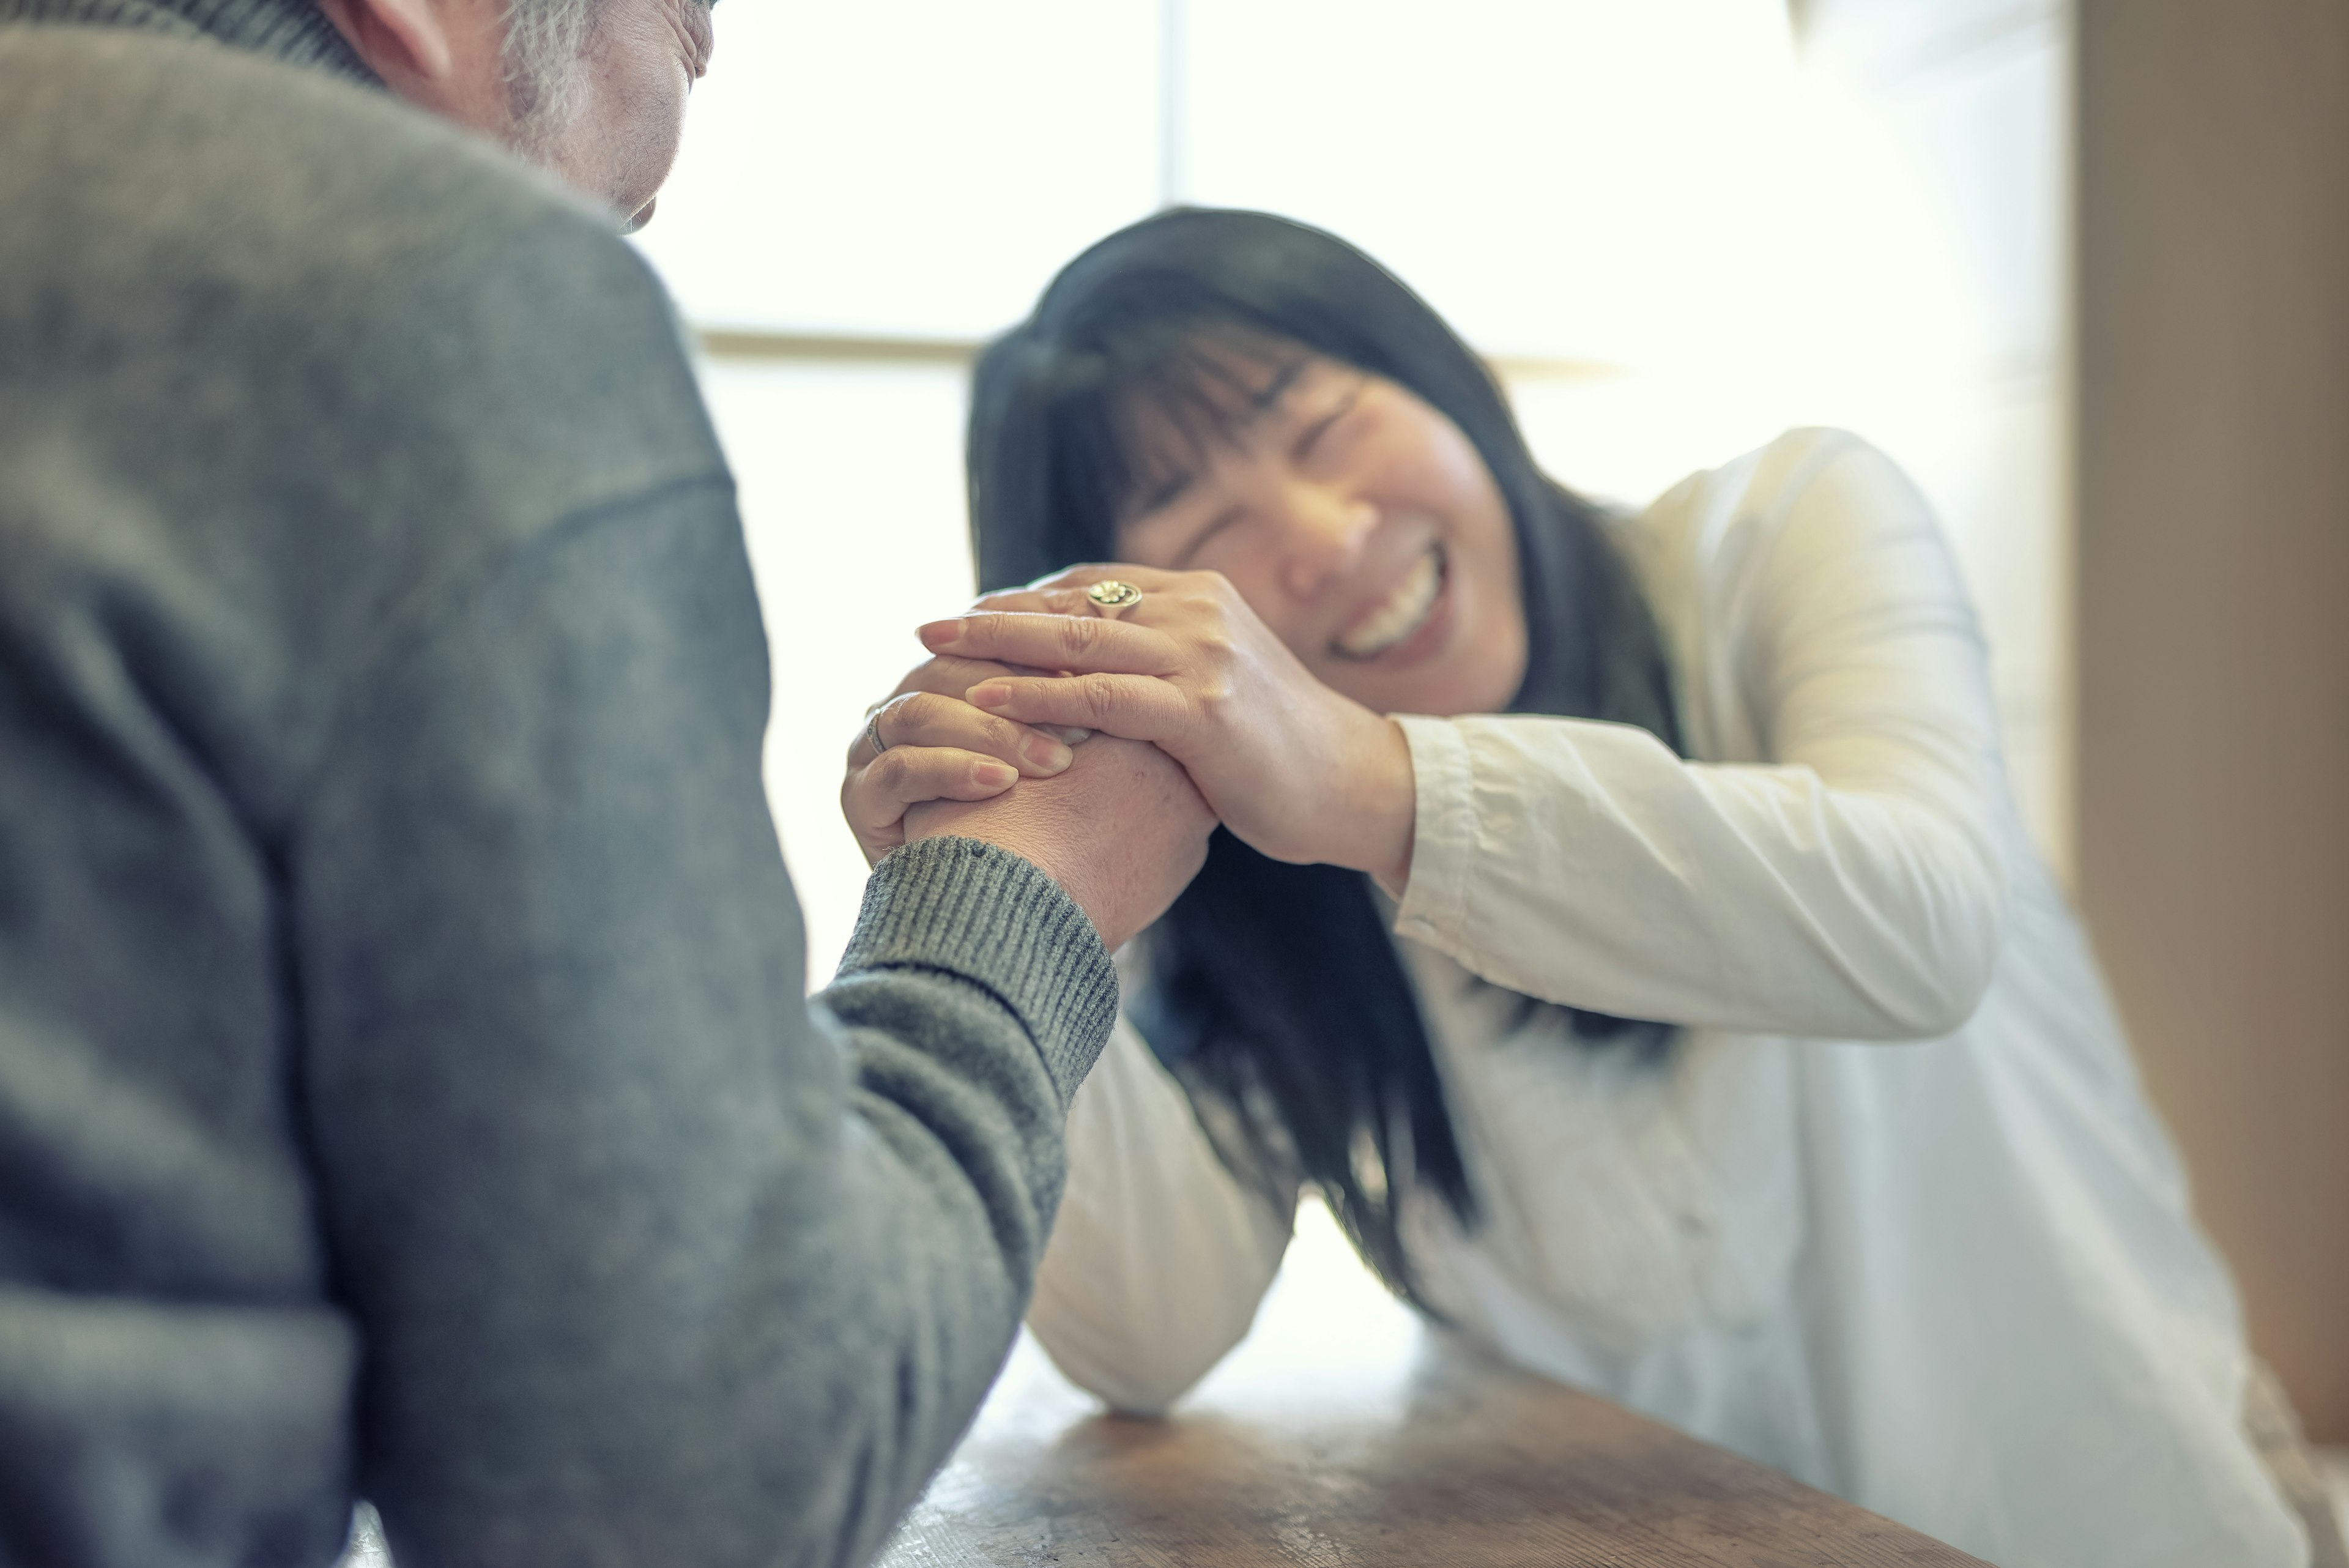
<point>407,1088</point>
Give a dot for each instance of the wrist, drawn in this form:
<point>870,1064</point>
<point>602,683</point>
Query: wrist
<point>1043,845</point>
<point>1383,812</point>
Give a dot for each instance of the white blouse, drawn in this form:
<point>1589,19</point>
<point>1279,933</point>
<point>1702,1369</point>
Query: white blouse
<point>1950,1275</point>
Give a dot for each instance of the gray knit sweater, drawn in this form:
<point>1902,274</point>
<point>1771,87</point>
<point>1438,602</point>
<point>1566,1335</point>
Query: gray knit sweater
<point>406,1085</point>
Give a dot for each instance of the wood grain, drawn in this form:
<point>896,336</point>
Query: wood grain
<point>1343,1434</point>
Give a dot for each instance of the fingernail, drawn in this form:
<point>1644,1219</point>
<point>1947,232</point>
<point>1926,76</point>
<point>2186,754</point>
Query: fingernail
<point>988,694</point>
<point>995,775</point>
<point>939,633</point>
<point>1048,754</point>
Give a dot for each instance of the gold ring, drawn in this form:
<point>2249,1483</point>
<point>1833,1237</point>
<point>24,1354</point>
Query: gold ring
<point>1114,598</point>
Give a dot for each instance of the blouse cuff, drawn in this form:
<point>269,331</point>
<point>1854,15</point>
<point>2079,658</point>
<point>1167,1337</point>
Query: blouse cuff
<point>1443,832</point>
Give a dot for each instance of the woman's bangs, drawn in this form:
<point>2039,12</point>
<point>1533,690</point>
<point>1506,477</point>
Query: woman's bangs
<point>1160,403</point>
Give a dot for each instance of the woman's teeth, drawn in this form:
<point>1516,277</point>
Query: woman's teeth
<point>1404,611</point>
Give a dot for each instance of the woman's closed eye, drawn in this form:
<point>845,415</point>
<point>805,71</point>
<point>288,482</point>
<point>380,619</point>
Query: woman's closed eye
<point>1187,556</point>
<point>1315,438</point>
<point>1153,527</point>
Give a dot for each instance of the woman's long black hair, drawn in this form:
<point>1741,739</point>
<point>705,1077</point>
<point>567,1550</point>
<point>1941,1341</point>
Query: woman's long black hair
<point>1276,987</point>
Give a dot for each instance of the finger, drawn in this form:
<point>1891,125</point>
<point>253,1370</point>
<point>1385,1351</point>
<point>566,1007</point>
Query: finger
<point>1087,645</point>
<point>879,792</point>
<point>1132,707</point>
<point>1034,601</point>
<point>951,676</point>
<point>1085,574</point>
<point>875,798</point>
<point>1063,592</point>
<point>928,719</point>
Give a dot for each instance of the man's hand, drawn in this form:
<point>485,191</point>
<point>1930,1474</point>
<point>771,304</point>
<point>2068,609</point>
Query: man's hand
<point>1293,766</point>
<point>1122,830</point>
<point>935,746</point>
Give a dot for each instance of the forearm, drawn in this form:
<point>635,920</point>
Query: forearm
<point>652,1261</point>
<point>760,1306</point>
<point>1160,1255</point>
<point>1840,871</point>
<point>1586,865</point>
<point>974,998</point>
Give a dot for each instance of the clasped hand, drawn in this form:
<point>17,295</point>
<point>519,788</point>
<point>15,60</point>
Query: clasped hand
<point>1295,769</point>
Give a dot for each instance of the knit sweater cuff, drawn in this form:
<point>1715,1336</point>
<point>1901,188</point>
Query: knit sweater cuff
<point>967,909</point>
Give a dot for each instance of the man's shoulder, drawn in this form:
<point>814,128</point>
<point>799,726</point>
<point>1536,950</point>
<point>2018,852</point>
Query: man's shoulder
<point>115,122</point>
<point>314,256</point>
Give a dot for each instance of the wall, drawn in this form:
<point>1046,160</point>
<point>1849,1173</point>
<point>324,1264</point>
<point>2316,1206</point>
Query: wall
<point>1968,103</point>
<point>2213,615</point>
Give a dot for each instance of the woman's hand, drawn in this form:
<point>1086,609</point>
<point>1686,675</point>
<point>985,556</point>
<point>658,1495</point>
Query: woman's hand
<point>1296,770</point>
<point>938,747</point>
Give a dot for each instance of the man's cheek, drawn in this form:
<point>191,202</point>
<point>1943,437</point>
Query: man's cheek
<point>658,116</point>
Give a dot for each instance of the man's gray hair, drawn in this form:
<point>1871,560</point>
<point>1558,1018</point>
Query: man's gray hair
<point>544,39</point>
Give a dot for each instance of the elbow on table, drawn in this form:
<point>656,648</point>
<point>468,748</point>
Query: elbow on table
<point>1130,1379</point>
<point>1136,1360</point>
<point>1134,1392</point>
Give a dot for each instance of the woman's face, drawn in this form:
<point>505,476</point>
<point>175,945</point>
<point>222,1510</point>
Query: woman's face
<point>1358,522</point>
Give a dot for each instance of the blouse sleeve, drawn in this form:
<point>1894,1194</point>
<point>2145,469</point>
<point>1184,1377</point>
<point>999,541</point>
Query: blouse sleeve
<point>1853,886</point>
<point>1160,1255</point>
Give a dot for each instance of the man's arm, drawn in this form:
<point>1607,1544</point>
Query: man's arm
<point>656,1263</point>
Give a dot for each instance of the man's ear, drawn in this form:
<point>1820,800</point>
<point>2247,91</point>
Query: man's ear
<point>405,42</point>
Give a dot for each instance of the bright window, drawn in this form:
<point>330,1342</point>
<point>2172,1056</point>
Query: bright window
<point>1675,227</point>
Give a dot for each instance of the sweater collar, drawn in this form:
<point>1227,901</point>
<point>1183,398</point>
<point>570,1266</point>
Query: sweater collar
<point>295,31</point>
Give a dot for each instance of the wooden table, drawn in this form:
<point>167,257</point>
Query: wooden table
<point>1341,1433</point>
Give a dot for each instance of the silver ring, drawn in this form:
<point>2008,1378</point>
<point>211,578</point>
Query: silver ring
<point>1112,598</point>
<point>873,729</point>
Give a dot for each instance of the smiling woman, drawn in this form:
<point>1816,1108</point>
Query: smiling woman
<point>1260,401</point>
<point>1618,205</point>
<point>1671,810</point>
<point>1357,518</point>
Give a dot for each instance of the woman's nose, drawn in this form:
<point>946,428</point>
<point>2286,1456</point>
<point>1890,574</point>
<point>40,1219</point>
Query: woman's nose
<point>1324,532</point>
